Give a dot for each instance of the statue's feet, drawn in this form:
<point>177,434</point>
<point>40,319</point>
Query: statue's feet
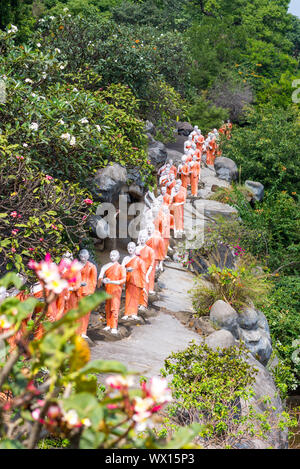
<point>152,292</point>
<point>125,318</point>
<point>84,336</point>
<point>107,328</point>
<point>114,331</point>
<point>134,317</point>
<point>143,309</point>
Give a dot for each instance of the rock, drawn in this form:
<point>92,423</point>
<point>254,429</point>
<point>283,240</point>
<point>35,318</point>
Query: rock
<point>258,343</point>
<point>222,339</point>
<point>157,153</point>
<point>257,189</point>
<point>263,322</point>
<point>175,156</point>
<point>150,128</point>
<point>248,319</point>
<point>99,226</point>
<point>136,192</point>
<point>108,182</point>
<point>225,317</point>
<point>184,128</point>
<point>226,169</point>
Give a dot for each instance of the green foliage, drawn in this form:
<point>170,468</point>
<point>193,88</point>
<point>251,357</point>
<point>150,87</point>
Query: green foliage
<point>282,311</point>
<point>238,287</point>
<point>37,214</point>
<point>208,386</point>
<point>206,115</point>
<point>268,147</point>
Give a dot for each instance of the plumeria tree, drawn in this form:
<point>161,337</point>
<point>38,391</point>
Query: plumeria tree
<point>49,386</point>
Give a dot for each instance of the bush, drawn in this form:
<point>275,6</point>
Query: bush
<point>237,287</point>
<point>208,387</point>
<point>205,114</point>
<point>66,129</point>
<point>37,213</point>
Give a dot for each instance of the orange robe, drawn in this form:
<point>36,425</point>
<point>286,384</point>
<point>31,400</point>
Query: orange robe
<point>211,153</point>
<point>167,199</point>
<point>112,305</point>
<point>199,143</point>
<point>166,223</point>
<point>157,244</point>
<point>195,177</point>
<point>135,282</point>
<point>89,276</point>
<point>170,187</point>
<point>179,211</point>
<point>147,255</point>
<point>51,315</point>
<point>185,177</point>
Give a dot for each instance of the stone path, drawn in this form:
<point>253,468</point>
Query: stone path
<point>146,349</point>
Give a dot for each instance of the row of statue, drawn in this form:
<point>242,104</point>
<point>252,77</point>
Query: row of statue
<point>137,270</point>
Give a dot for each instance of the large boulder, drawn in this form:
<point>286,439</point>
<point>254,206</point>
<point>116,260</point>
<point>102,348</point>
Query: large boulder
<point>108,182</point>
<point>175,156</point>
<point>225,317</point>
<point>99,226</point>
<point>226,169</point>
<point>157,153</point>
<point>184,128</point>
<point>220,339</point>
<point>248,319</point>
<point>258,343</point>
<point>257,189</point>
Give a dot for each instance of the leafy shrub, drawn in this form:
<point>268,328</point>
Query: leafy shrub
<point>237,287</point>
<point>206,115</point>
<point>37,213</point>
<point>208,387</point>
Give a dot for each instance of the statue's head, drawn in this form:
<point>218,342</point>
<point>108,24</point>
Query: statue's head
<point>183,159</point>
<point>114,256</point>
<point>84,256</point>
<point>195,158</point>
<point>131,248</point>
<point>163,190</point>
<point>150,228</point>
<point>171,163</point>
<point>172,176</point>
<point>143,236</point>
<point>166,209</point>
<point>155,212</point>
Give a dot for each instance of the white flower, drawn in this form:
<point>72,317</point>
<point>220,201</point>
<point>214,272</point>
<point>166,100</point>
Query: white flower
<point>71,417</point>
<point>34,126</point>
<point>61,121</point>
<point>42,20</point>
<point>52,17</point>
<point>86,422</point>
<point>13,29</point>
<point>39,44</point>
<point>118,381</point>
<point>73,141</point>
<point>57,50</point>
<point>84,120</point>
<point>25,145</point>
<point>4,322</point>
<point>75,89</point>
<point>142,405</point>
<point>57,285</point>
<point>98,128</point>
<point>48,271</point>
<point>44,75</point>
<point>33,95</point>
<point>66,136</point>
<point>62,67</point>
<point>158,390</point>
<point>28,80</point>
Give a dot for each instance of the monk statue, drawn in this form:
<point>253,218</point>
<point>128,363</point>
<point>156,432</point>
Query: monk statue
<point>147,254</point>
<point>194,174</point>
<point>165,226</point>
<point>88,287</point>
<point>135,282</point>
<point>113,277</point>
<point>155,241</point>
<point>189,144</point>
<point>179,199</point>
<point>166,198</point>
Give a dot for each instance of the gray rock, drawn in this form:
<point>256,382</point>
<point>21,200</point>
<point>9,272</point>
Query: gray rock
<point>151,139</point>
<point>175,156</point>
<point>150,128</point>
<point>108,182</point>
<point>157,153</point>
<point>184,128</point>
<point>263,322</point>
<point>248,319</point>
<point>257,189</point>
<point>258,343</point>
<point>136,191</point>
<point>226,169</point>
<point>225,317</point>
<point>222,339</point>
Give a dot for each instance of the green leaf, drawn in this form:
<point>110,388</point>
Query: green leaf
<point>102,366</point>
<point>184,436</point>
<point>91,439</point>
<point>11,444</point>
<point>11,279</point>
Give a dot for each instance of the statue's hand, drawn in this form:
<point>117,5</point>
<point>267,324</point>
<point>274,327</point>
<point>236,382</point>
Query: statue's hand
<point>83,284</point>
